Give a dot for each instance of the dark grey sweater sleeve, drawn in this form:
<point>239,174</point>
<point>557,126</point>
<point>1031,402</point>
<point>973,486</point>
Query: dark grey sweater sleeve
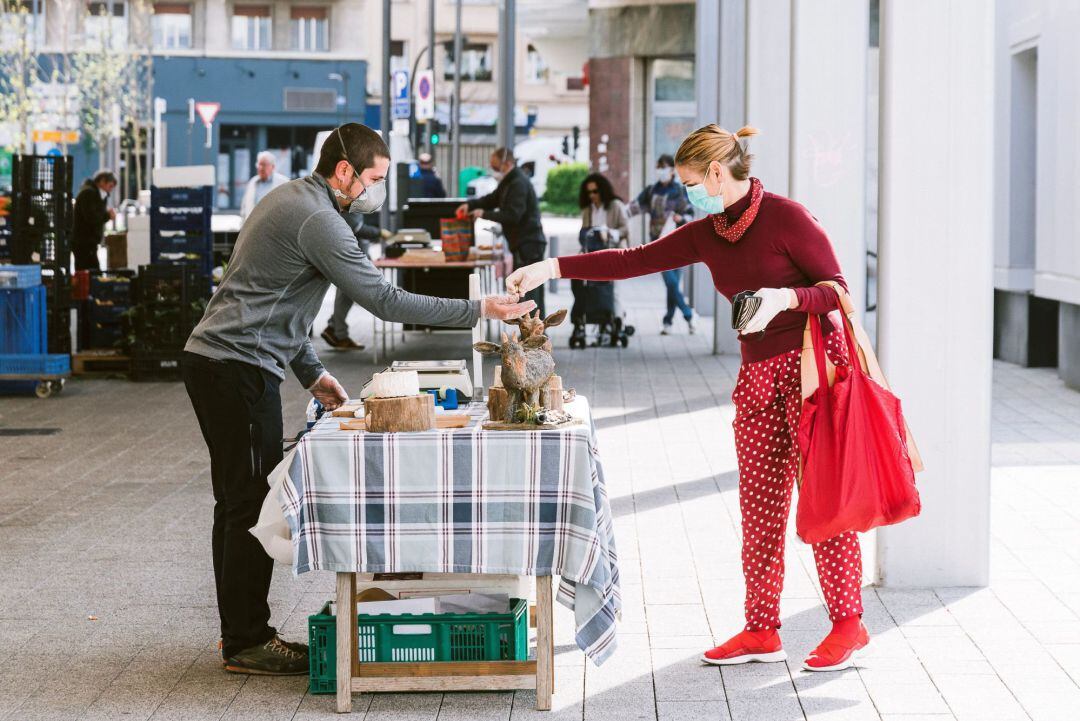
<point>328,243</point>
<point>306,365</point>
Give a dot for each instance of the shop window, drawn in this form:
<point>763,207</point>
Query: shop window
<point>399,58</point>
<point>172,26</point>
<point>310,29</point>
<point>251,27</point>
<point>475,62</point>
<point>106,23</point>
<point>536,70</point>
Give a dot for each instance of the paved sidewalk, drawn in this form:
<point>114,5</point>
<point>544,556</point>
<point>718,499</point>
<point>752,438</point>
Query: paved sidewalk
<point>106,595</point>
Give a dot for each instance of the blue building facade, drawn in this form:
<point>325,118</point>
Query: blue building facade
<point>266,104</point>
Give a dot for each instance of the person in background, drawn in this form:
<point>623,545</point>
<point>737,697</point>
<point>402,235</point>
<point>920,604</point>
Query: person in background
<point>750,238</point>
<point>336,334</point>
<point>601,208</point>
<point>431,185</point>
<point>668,207</point>
<point>256,326</point>
<point>515,207</point>
<point>89,218</point>
<point>264,180</point>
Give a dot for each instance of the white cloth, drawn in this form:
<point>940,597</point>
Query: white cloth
<point>253,193</point>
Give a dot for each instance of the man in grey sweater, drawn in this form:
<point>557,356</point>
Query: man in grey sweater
<point>291,248</point>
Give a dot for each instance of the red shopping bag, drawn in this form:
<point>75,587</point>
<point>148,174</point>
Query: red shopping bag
<point>856,469</point>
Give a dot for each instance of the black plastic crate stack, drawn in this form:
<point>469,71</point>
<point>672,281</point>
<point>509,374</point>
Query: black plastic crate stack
<point>169,302</point>
<point>41,209</point>
<point>180,228</point>
<point>109,301</point>
<point>6,226</point>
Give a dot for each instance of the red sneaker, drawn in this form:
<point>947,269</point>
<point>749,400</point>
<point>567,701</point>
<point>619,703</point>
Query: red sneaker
<point>762,646</point>
<point>836,652</point>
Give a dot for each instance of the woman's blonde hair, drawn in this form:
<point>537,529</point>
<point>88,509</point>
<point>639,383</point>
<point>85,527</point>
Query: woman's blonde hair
<point>712,142</point>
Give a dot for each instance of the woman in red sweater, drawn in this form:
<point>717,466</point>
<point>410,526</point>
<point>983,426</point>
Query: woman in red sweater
<point>751,239</point>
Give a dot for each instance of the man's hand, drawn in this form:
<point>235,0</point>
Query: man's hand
<point>477,214</point>
<point>505,307</point>
<point>328,392</point>
<point>385,234</point>
<point>522,280</point>
<point>112,213</point>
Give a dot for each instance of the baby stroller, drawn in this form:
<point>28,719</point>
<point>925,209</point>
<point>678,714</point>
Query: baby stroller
<point>595,302</point>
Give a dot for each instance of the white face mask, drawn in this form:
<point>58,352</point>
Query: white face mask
<point>664,175</point>
<point>370,199</point>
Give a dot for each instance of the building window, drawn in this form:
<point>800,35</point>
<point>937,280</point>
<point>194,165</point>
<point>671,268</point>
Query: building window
<point>310,29</point>
<point>25,22</point>
<point>475,62</point>
<point>106,23</point>
<point>172,26</point>
<point>536,70</point>
<point>251,27</point>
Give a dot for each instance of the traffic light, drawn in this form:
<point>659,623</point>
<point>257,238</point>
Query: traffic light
<point>434,138</point>
<point>577,136</point>
<point>436,129</point>
<point>566,145</point>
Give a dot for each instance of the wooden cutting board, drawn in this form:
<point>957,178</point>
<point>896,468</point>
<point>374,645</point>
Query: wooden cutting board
<point>441,421</point>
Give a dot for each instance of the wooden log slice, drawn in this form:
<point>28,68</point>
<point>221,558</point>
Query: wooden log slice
<point>552,394</point>
<point>396,415</point>
<point>498,403</point>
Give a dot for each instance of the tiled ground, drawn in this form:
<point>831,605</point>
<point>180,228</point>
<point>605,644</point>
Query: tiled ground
<point>107,610</point>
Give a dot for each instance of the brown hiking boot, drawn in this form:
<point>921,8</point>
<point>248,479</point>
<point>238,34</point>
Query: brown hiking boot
<point>273,658</point>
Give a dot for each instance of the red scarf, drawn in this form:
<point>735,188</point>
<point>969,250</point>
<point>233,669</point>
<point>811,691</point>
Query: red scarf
<point>731,232</point>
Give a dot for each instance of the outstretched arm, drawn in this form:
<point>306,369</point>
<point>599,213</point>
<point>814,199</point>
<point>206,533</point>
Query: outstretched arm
<point>674,250</point>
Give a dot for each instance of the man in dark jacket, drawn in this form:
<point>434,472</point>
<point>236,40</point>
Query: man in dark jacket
<point>89,219</point>
<point>431,185</point>
<point>514,206</point>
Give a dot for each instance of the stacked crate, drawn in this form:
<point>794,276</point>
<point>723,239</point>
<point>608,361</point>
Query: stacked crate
<point>180,228</point>
<point>169,302</point>
<point>108,301</point>
<point>25,363</point>
<point>41,211</point>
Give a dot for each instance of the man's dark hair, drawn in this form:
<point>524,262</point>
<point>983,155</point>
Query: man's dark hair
<point>607,193</point>
<point>356,143</point>
<point>105,176</point>
<point>665,161</point>
<point>504,154</point>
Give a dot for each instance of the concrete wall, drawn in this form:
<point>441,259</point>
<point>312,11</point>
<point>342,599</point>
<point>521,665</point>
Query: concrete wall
<point>611,109</point>
<point>936,248</point>
<point>650,30</point>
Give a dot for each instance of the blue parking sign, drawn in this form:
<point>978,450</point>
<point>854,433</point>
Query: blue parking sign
<point>400,89</point>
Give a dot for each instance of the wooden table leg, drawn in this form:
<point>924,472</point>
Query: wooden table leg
<point>346,639</point>
<point>545,645</point>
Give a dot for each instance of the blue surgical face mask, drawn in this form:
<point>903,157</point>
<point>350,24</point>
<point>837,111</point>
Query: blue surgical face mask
<point>699,197</point>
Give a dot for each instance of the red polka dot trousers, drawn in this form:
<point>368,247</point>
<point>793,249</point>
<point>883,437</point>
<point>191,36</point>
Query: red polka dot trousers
<point>768,401</point>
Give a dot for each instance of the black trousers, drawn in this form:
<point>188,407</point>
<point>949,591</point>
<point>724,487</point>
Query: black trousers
<point>86,257</point>
<point>527,254</point>
<point>239,410</point>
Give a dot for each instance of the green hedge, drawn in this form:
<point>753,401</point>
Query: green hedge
<point>564,184</point>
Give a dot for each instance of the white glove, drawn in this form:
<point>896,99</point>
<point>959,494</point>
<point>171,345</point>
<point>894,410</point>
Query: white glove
<point>773,302</point>
<point>522,280</point>
<point>328,391</point>
<point>505,307</point>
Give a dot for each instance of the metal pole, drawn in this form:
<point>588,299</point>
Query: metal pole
<point>507,32</point>
<point>455,106</point>
<point>431,67</point>
<point>384,116</point>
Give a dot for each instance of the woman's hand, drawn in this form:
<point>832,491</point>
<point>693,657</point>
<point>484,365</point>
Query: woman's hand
<point>522,280</point>
<point>773,302</point>
<point>505,307</point>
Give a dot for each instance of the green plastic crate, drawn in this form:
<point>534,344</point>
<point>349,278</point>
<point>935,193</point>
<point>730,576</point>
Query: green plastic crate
<point>449,637</point>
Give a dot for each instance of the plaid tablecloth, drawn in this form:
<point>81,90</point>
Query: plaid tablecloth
<point>465,500</point>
